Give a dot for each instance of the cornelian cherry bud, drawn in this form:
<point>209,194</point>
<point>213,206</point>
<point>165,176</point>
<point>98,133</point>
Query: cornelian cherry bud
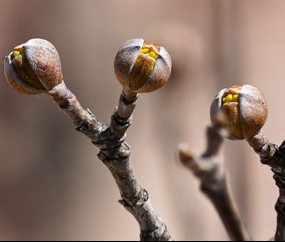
<point>243,109</point>
<point>33,67</point>
<point>142,66</point>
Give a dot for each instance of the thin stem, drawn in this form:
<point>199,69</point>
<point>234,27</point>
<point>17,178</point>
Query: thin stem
<point>262,146</point>
<point>83,120</point>
<point>209,169</point>
<point>115,154</point>
<point>274,157</point>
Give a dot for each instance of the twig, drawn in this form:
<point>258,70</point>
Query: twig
<point>209,169</point>
<point>115,154</point>
<point>263,147</point>
<point>273,156</point>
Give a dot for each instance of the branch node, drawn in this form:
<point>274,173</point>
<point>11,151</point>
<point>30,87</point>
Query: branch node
<point>119,153</point>
<point>136,202</point>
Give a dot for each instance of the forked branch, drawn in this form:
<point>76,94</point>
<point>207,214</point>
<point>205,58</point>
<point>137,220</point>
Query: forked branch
<point>115,153</point>
<point>208,168</point>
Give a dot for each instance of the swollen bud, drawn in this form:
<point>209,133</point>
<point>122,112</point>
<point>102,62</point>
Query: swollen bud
<point>33,67</point>
<point>242,110</point>
<point>142,66</point>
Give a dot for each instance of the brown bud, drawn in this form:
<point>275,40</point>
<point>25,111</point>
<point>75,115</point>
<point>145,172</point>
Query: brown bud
<point>33,67</point>
<point>242,110</point>
<point>142,66</point>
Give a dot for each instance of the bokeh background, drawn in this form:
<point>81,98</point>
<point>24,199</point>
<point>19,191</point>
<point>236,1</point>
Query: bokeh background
<point>52,185</point>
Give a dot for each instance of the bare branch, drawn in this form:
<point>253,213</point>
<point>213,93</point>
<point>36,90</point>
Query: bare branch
<point>115,153</point>
<point>209,169</point>
<point>274,157</point>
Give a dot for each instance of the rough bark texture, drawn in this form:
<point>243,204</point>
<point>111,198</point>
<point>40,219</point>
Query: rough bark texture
<point>115,153</point>
<point>209,169</point>
<point>273,156</point>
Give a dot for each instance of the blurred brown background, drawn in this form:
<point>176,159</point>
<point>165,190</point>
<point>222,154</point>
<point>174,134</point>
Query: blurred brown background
<point>52,185</point>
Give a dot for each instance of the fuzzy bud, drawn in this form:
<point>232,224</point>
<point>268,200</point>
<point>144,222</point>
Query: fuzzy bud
<point>142,66</point>
<point>242,110</point>
<point>33,67</point>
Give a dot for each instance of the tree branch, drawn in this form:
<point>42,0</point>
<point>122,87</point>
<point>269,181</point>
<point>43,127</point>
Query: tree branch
<point>115,153</point>
<point>273,156</point>
<point>209,169</point>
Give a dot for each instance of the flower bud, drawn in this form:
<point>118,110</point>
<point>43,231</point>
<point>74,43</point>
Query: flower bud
<point>33,67</point>
<point>243,109</point>
<point>142,66</point>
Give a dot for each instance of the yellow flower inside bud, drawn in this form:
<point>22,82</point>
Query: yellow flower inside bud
<point>230,98</point>
<point>144,65</point>
<point>230,104</point>
<point>24,69</point>
<point>241,109</point>
<point>16,53</point>
<point>19,50</point>
<point>150,51</point>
